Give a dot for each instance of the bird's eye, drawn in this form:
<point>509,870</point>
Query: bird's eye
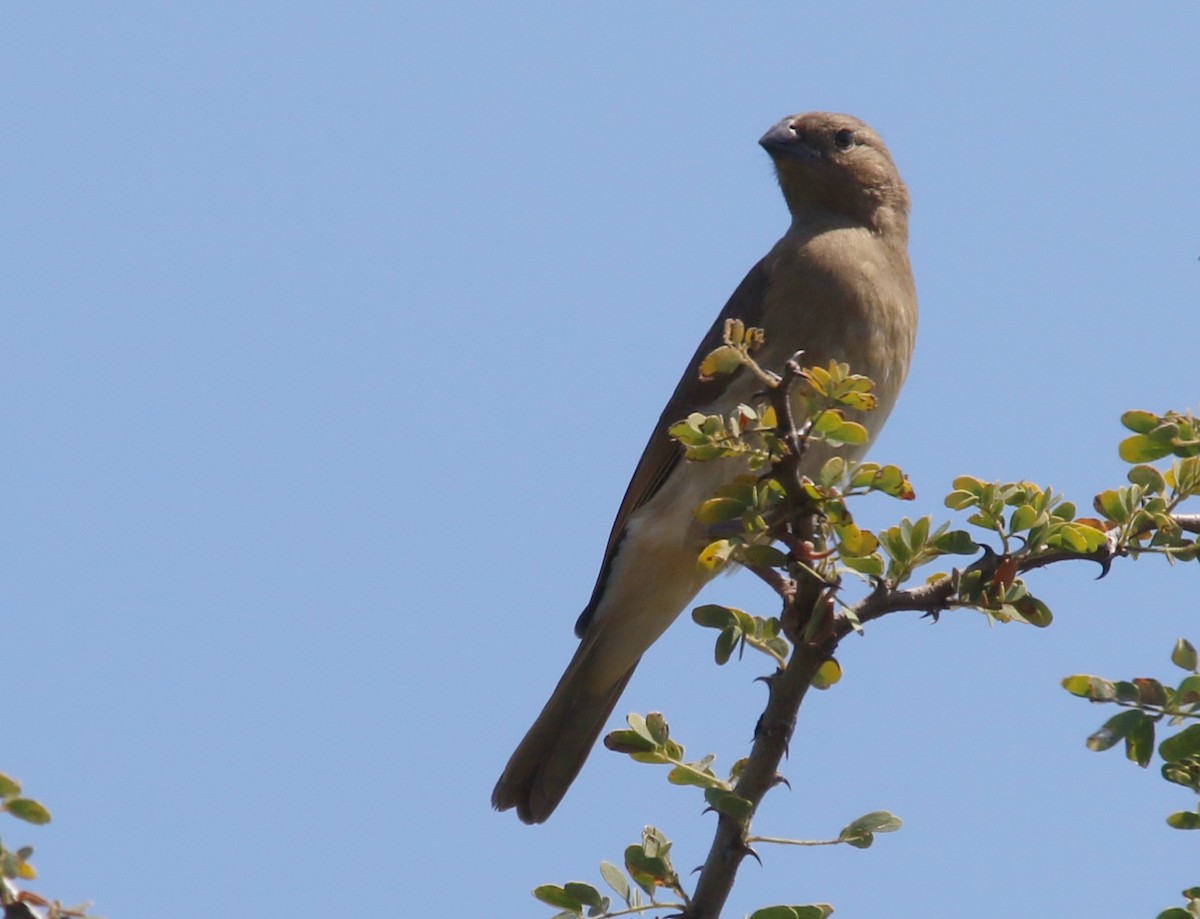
<point>844,139</point>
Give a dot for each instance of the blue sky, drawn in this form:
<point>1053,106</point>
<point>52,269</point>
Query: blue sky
<point>299,300</point>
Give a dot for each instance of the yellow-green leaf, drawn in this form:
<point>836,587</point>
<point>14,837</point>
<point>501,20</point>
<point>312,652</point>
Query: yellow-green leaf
<point>848,432</point>
<point>1184,655</point>
<point>719,362</point>
<point>719,510</point>
<point>1140,422</point>
<point>856,542</point>
<point>715,555</point>
<point>827,674</point>
<point>28,810</point>
<point>1142,448</point>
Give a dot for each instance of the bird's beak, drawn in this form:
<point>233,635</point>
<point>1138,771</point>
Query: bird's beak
<point>785,141</point>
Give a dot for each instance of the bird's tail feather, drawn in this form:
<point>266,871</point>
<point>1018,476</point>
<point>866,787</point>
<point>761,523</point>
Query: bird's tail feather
<point>554,750</point>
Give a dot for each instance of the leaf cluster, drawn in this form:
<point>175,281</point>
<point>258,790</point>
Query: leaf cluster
<point>648,740</point>
<point>1148,704</point>
<point>15,864</point>
<point>1142,514</point>
<point>647,865</point>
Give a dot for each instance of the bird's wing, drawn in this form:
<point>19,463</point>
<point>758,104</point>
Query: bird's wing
<point>662,453</point>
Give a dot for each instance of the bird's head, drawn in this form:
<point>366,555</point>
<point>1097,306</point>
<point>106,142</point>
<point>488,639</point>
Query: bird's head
<point>836,164</point>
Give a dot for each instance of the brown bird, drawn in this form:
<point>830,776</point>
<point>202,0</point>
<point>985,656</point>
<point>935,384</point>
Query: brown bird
<point>837,286</point>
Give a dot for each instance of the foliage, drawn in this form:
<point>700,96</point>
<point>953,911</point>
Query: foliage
<point>1148,703</point>
<point>797,532</point>
<point>15,864</point>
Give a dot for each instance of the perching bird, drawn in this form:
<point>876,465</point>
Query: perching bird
<point>837,286</point>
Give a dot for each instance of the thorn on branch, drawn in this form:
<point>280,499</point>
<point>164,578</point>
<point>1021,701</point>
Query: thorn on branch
<point>743,849</point>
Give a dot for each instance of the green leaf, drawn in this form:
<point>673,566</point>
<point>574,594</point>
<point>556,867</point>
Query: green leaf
<point>1112,504</point>
<point>856,542</point>
<point>1022,518</point>
<point>960,500</point>
<point>628,742</point>
<point>1034,611</point>
<point>833,470</point>
<point>859,840</point>
<point>1143,448</point>
<point>875,822</point>
<point>1148,477</point>
<point>1140,422</point>
<point>656,724</point>
<point>1115,729</point>
<point>1184,820</point>
<point>647,871</point>
<point>720,361</point>
<point>1095,688</point>
<point>827,421</point>
<point>1064,511</point>
<point>715,555</point>
<point>1078,537</point>
<point>714,616</point>
<point>917,531</point>
<point>1184,655</point>
<point>9,786</point>
<point>1182,745</point>
<point>1139,744</point>
<point>28,810</point>
<point>861,832</point>
<point>1188,691</point>
<point>870,565</point>
<point>719,510</point>
<point>745,621</point>
<point>615,878</point>
<point>1150,692</point>
<point>1185,773</point>
<point>637,724</point>
<point>553,895</point>
<point>584,893</point>
<point>1175,912</point>
<point>727,643</point>
<point>813,911</point>
<point>1184,476</point>
<point>848,432</point>
<point>956,542</point>
<point>892,481</point>
<point>969,484</point>
<point>1127,692</point>
<point>682,776</point>
<point>775,912</point>
<point>827,674</point>
<point>726,802</point>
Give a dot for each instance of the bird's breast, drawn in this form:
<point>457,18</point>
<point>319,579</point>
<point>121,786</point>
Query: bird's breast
<point>846,295</point>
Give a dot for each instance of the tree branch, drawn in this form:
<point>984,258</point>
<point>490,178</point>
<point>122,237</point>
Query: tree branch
<point>760,774</point>
<point>789,686</point>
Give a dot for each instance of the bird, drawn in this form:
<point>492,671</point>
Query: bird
<point>837,286</point>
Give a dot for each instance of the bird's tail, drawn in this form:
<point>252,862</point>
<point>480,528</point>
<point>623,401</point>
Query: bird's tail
<point>553,751</point>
